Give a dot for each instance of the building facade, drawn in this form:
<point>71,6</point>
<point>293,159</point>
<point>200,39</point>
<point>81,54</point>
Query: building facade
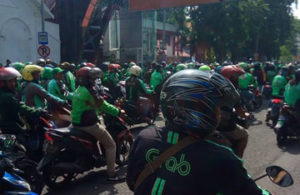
<point>20,22</point>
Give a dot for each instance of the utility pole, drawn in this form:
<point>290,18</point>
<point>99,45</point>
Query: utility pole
<point>43,16</point>
<point>164,28</point>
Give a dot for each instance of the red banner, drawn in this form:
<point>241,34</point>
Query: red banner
<point>141,5</point>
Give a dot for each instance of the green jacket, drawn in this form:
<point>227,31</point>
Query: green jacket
<point>113,78</point>
<point>35,95</point>
<point>292,94</point>
<point>246,80</point>
<point>278,84</point>
<point>270,75</point>
<point>10,108</point>
<point>84,111</point>
<point>134,87</point>
<point>70,81</point>
<point>156,79</point>
<point>55,90</point>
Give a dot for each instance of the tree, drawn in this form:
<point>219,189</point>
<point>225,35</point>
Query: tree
<point>241,29</point>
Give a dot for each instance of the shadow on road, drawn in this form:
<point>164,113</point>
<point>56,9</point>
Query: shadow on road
<point>95,182</point>
<point>292,147</point>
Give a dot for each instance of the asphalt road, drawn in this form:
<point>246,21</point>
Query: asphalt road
<point>262,151</point>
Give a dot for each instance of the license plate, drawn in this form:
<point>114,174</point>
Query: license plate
<point>49,147</point>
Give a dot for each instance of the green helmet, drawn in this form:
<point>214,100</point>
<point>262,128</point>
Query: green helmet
<point>180,67</point>
<point>243,65</point>
<point>205,68</point>
<point>28,63</point>
<point>215,64</point>
<point>19,66</point>
<point>47,73</point>
<point>191,65</point>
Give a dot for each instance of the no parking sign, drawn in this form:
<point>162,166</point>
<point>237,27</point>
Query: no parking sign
<point>44,51</point>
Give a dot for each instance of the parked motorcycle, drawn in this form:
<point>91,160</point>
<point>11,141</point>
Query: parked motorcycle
<point>69,152</point>
<point>10,180</point>
<point>274,110</point>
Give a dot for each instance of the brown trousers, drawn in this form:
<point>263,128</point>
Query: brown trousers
<point>106,140</point>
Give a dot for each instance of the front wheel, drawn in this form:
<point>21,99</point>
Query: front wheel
<point>31,175</point>
<point>55,179</point>
<point>123,150</point>
<point>281,138</point>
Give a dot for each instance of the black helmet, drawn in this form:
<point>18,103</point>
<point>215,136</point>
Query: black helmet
<point>190,99</point>
<point>104,66</point>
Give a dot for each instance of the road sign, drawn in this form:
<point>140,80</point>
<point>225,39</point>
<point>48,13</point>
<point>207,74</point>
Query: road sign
<point>140,5</point>
<point>44,51</point>
<point>43,38</point>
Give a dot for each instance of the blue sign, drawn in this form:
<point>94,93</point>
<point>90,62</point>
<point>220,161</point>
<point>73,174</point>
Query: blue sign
<point>43,38</point>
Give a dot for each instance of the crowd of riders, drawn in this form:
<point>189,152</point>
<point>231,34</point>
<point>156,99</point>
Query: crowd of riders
<point>196,99</point>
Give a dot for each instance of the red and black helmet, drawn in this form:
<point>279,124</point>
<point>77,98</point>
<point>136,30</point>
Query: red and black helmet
<point>87,75</point>
<point>113,67</point>
<point>91,65</point>
<point>232,73</point>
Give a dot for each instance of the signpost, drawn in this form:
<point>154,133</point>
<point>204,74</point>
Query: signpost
<point>141,5</point>
<point>44,51</point>
<point>43,38</point>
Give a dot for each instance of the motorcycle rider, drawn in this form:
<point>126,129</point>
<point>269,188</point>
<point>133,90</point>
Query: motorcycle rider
<point>156,82</point>
<point>228,127</point>
<point>134,87</point>
<point>69,77</point>
<point>244,82</point>
<point>279,82</point>
<point>57,87</point>
<point>86,105</point>
<point>33,94</point>
<point>10,107</point>
<point>191,102</point>
<point>270,71</point>
<point>46,77</point>
<point>259,75</point>
<point>292,93</point>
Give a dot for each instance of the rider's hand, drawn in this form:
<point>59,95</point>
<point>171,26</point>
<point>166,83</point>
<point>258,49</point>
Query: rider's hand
<point>122,114</point>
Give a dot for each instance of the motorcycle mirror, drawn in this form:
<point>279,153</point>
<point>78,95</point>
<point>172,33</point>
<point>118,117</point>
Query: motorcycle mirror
<point>279,176</point>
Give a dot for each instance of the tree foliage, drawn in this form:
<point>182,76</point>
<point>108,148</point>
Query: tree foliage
<point>242,28</point>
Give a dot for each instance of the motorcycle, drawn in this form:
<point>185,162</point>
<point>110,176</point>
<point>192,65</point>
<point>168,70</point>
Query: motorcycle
<point>267,91</point>
<point>138,112</point>
<point>69,152</point>
<point>10,181</point>
<point>288,125</point>
<point>274,110</point>
<point>258,99</point>
<point>16,153</point>
<point>34,137</point>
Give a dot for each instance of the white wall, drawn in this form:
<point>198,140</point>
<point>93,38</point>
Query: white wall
<point>20,22</point>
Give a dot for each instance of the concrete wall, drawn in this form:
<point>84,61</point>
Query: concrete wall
<point>20,22</point>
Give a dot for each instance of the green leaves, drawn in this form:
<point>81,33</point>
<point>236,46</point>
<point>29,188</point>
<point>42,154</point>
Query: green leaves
<point>242,28</point>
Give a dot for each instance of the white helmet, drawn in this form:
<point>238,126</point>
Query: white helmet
<point>135,70</point>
